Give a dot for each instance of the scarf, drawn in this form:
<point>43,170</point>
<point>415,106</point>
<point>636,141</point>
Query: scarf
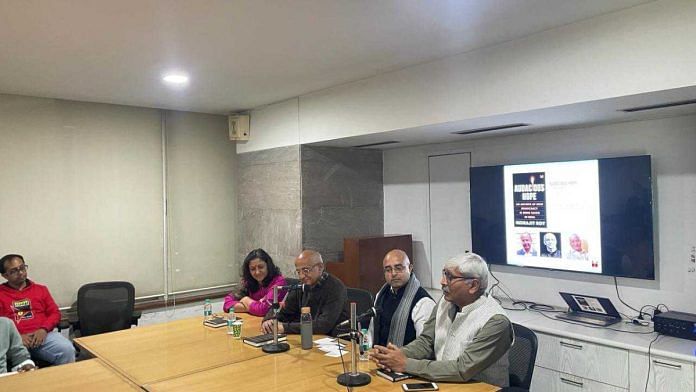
<point>402,314</point>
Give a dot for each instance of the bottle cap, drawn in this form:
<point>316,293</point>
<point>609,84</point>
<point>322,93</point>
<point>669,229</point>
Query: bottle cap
<point>306,309</point>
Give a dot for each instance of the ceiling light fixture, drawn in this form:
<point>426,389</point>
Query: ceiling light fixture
<point>176,79</point>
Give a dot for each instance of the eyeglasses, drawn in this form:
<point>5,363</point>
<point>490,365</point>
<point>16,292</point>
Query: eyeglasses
<point>449,277</point>
<point>399,268</point>
<point>15,271</point>
<point>305,270</point>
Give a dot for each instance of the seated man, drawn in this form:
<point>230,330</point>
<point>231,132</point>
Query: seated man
<point>405,306</point>
<point>34,312</point>
<point>467,336</point>
<point>12,351</point>
<point>323,293</point>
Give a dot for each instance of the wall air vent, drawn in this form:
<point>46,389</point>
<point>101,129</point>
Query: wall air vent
<point>375,144</point>
<point>488,129</point>
<point>659,106</point>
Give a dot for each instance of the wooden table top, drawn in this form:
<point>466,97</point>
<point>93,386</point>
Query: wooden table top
<point>162,351</point>
<point>89,375</point>
<point>295,370</point>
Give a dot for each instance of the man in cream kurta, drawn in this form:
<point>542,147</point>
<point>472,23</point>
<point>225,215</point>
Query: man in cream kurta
<point>467,336</point>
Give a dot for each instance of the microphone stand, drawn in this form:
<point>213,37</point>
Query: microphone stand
<point>275,347</point>
<point>353,378</point>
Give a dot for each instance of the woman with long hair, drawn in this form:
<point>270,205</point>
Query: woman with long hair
<point>259,276</point>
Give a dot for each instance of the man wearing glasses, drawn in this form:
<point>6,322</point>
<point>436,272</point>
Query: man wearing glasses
<point>466,338</point>
<point>34,312</point>
<point>405,306</point>
<point>323,293</point>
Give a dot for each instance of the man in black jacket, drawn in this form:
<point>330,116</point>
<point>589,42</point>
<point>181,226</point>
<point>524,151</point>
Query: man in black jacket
<point>323,293</point>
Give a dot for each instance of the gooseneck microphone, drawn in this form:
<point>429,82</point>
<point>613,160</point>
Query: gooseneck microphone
<point>372,312</point>
<point>289,287</point>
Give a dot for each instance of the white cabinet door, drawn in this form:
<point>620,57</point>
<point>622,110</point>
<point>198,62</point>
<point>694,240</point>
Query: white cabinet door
<point>547,380</point>
<point>588,360</point>
<point>666,375</point>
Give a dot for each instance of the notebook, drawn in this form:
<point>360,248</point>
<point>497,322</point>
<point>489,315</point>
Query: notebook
<point>260,340</point>
<point>215,322</point>
<point>589,310</point>
<point>392,376</point>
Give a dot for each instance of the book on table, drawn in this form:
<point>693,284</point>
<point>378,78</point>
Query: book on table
<point>215,322</point>
<point>392,376</point>
<point>260,340</point>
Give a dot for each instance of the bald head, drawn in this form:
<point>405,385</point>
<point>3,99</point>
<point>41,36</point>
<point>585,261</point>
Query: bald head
<point>311,256</point>
<point>397,268</point>
<point>309,266</point>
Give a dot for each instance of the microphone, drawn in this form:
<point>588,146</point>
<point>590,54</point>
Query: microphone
<point>366,314</point>
<point>299,286</point>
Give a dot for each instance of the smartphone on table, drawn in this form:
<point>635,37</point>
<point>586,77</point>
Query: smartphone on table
<point>420,386</point>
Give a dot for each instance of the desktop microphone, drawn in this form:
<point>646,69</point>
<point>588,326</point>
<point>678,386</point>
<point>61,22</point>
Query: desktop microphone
<point>366,314</point>
<point>289,287</point>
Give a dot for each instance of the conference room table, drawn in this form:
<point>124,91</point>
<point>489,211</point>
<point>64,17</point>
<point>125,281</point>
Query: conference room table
<point>185,355</point>
<point>88,375</point>
<point>172,349</point>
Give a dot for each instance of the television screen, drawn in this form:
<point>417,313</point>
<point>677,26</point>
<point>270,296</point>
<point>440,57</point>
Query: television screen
<point>591,216</point>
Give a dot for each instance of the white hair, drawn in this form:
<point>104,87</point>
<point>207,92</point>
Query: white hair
<point>471,264</point>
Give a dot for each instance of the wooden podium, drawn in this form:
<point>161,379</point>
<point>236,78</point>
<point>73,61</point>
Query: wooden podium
<point>362,259</point>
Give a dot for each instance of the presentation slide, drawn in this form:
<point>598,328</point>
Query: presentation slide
<point>552,215</point>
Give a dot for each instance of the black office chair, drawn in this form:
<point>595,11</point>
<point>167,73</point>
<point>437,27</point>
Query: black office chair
<point>522,356</point>
<point>289,281</point>
<point>363,301</point>
<point>105,307</point>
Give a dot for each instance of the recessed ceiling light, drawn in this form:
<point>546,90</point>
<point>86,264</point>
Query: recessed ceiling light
<point>176,79</point>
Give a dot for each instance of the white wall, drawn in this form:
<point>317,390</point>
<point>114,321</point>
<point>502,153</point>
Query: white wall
<point>672,144</point>
<point>642,49</point>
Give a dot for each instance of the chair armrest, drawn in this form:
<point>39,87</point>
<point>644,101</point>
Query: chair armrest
<point>135,317</point>
<point>63,324</point>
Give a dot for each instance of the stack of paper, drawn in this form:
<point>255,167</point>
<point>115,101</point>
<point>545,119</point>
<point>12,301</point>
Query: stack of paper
<point>331,347</point>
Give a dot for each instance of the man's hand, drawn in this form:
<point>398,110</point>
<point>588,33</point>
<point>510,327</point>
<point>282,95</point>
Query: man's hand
<point>39,336</point>
<point>26,340</point>
<point>267,327</point>
<point>26,368</point>
<point>390,358</point>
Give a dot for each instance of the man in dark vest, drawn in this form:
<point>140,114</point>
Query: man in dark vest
<point>405,305</point>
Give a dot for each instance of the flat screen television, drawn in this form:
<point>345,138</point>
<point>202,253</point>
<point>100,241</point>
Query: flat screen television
<point>592,216</point>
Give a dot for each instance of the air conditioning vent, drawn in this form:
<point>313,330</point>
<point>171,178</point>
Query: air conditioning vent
<point>659,106</point>
<point>488,129</point>
<point>375,144</point>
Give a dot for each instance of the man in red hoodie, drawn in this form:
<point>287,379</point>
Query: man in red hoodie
<point>34,312</point>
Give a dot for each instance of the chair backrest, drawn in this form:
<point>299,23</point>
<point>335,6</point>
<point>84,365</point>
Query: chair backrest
<point>290,281</point>
<point>105,307</point>
<point>363,301</point>
<point>522,356</point>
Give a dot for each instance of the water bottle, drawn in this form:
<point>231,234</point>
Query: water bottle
<point>306,328</point>
<point>207,310</point>
<point>366,344</point>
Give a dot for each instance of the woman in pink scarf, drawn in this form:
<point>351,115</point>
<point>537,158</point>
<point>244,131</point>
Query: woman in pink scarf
<point>259,276</point>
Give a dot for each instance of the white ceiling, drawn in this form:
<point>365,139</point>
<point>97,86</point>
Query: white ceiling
<point>583,114</point>
<point>246,53</point>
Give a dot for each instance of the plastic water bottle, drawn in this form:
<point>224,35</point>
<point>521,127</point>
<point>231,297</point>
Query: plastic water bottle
<point>207,310</point>
<point>306,328</point>
<point>366,345</point>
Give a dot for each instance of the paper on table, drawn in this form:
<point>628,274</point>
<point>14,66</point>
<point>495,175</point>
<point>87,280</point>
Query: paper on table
<point>325,341</point>
<point>336,353</point>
